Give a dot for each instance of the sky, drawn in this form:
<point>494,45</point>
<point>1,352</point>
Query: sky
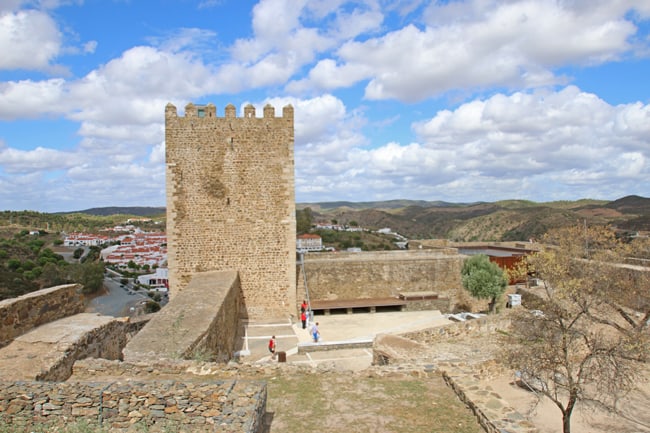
<point>454,100</point>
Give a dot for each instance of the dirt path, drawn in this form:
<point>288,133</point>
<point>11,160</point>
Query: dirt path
<point>548,419</point>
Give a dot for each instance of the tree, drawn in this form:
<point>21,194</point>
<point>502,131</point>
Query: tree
<point>588,335</point>
<point>483,279</point>
<point>52,275</point>
<point>90,275</point>
<point>304,219</point>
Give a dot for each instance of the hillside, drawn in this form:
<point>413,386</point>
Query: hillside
<point>509,220</point>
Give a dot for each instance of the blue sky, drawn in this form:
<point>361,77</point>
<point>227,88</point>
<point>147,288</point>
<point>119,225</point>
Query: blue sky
<point>460,101</point>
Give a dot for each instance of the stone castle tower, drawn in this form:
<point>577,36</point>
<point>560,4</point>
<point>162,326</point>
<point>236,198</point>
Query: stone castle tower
<point>231,202</point>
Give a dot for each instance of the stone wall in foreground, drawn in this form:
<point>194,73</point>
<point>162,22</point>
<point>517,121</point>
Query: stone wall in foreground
<point>21,314</point>
<point>205,406</point>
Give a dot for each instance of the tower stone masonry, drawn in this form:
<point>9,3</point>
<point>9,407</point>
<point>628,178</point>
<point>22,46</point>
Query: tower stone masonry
<point>231,202</point>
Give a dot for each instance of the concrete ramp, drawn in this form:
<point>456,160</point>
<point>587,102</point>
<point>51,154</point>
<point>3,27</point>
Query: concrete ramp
<point>49,351</point>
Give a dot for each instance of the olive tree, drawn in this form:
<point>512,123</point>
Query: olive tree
<point>484,279</point>
<point>587,336</point>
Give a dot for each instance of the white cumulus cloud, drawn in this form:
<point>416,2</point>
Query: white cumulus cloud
<point>29,39</point>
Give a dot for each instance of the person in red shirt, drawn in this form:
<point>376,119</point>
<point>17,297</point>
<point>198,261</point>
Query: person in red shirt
<point>303,306</point>
<point>272,346</point>
<point>303,319</point>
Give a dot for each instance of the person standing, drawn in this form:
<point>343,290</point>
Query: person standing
<point>315,333</point>
<point>303,306</point>
<point>272,347</point>
<point>303,319</point>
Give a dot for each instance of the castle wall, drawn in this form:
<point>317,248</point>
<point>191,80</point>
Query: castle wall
<point>231,204</point>
<point>382,274</point>
<point>201,324</point>
<point>21,314</point>
<point>49,351</point>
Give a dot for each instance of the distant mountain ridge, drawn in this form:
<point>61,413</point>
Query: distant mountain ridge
<point>386,204</point>
<point>506,220</point>
<point>142,211</point>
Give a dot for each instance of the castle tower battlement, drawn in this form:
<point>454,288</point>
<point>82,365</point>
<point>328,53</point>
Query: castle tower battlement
<point>231,202</point>
<point>210,110</point>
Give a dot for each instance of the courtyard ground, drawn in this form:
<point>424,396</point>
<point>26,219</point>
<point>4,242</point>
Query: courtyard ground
<point>344,397</point>
<point>332,402</point>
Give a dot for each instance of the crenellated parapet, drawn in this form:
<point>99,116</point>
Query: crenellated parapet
<point>230,112</point>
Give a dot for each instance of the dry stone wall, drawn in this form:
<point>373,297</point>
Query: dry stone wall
<point>19,315</point>
<point>231,202</point>
<point>164,405</point>
<point>382,274</point>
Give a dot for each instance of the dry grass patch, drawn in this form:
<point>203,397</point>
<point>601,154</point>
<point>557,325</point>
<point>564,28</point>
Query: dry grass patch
<point>331,402</point>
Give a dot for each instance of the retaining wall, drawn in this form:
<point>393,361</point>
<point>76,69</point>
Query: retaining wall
<point>474,327</point>
<point>19,315</point>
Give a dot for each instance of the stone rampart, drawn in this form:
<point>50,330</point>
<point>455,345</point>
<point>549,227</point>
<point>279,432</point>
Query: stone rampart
<point>382,274</point>
<point>49,351</point>
<point>21,314</point>
<point>164,405</point>
<point>201,324</point>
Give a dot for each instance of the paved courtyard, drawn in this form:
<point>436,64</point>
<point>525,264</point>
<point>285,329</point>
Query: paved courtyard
<point>334,329</point>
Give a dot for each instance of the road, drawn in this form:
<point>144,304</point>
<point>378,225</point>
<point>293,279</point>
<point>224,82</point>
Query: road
<point>117,301</point>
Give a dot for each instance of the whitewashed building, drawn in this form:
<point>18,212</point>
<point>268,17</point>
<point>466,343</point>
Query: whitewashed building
<point>309,242</point>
